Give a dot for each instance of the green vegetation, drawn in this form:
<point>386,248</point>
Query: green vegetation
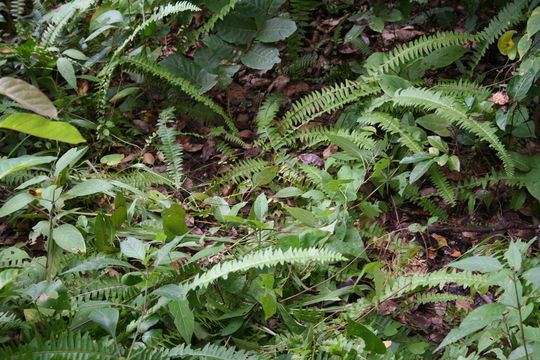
<point>381,201</point>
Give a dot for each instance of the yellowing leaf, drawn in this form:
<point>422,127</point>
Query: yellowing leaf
<point>505,44</point>
<point>41,127</point>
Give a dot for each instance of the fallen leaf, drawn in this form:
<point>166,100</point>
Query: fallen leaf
<point>149,159</point>
<point>296,87</point>
<point>311,159</point>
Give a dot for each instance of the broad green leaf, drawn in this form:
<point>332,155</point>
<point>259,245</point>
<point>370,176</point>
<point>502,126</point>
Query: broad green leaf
<point>474,321</point>
<point>478,263</point>
<point>124,92</point>
<point>506,44</point>
<point>347,145</point>
<point>7,166</point>
<point>237,29</point>
<point>90,187</point>
<point>119,216</point>
<point>435,123</point>
<point>269,305</point>
<point>524,44</point>
<point>443,57</point>
<point>390,83</point>
<point>519,86</point>
<point>65,68</point>
<point>419,170</point>
<point>276,29</point>
<point>289,192</point>
<point>174,221</point>
<point>533,276</point>
<point>97,263</point>
<point>304,216</point>
<point>133,248</point>
<point>260,207</point>
<point>107,318</point>
<point>533,24</point>
<point>256,8</point>
<point>28,96</point>
<point>264,176</point>
<point>69,238</point>
<point>15,203</point>
<point>532,182</point>
<point>69,159</point>
<point>261,57</point>
<point>41,127</point>
<point>75,54</point>
<point>183,318</point>
<point>373,343</point>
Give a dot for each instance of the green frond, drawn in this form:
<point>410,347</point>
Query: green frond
<point>300,11</point>
<point>210,351</point>
<point>244,169</point>
<point>510,15</point>
<point>17,178</point>
<point>432,297</point>
<point>143,179</point>
<point>442,185</point>
<point>412,194</point>
<point>172,152</point>
<point>10,321</point>
<point>69,346</point>
<point>322,134</point>
<point>225,149</point>
<point>160,14</point>
<point>111,290</point>
<point>462,89</point>
<point>342,344</point>
<point>267,112</point>
<point>407,284</point>
<point>139,63</point>
<point>446,107</point>
<point>297,69</point>
<point>261,259</point>
<point>209,24</point>
<point>417,49</point>
<point>393,126</point>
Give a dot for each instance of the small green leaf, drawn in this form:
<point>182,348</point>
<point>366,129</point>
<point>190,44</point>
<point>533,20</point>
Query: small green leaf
<point>65,68</point>
<point>261,57</point>
<point>183,318</point>
<point>373,343</point>
<point>69,159</point>
<point>350,147</point>
<point>524,44</point>
<point>304,216</point>
<point>390,83</point>
<point>39,126</point>
<point>260,207</point>
<point>15,203</point>
<point>290,191</point>
<point>478,263</point>
<point>276,29</point>
<point>90,187</point>
<point>513,256</point>
<point>103,231</point>
<point>269,305</point>
<point>133,248</point>
<point>265,176</point>
<point>107,318</point>
<point>419,170</point>
<point>506,44</point>
<point>28,96</point>
<point>69,238</point>
<point>533,24</point>
<point>435,123</point>
<point>112,159</point>
<point>174,221</point>
<point>532,182</point>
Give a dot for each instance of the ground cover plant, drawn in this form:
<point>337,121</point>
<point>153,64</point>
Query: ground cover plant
<point>269,179</point>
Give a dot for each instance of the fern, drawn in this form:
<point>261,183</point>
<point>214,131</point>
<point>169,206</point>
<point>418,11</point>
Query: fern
<point>412,194</point>
<point>511,14</point>
<point>16,9</point>
<point>462,89</point>
<point>442,185</point>
<point>110,290</point>
<point>417,49</point>
<point>447,108</point>
<point>172,152</point>
<point>301,12</point>
<point>143,179</point>
<point>209,24</point>
<point>244,169</point>
<point>410,283</point>
<point>61,18</point>
<point>322,134</point>
<point>393,126</point>
<point>68,346</point>
<point>261,259</point>
<point>432,297</point>
<point>298,68</point>
<point>138,63</point>
<point>10,321</point>
<point>210,351</point>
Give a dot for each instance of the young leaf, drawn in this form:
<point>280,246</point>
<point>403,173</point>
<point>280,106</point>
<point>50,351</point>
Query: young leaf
<point>69,238</point>
<point>65,68</point>
<point>39,126</point>
<point>260,207</point>
<point>28,96</point>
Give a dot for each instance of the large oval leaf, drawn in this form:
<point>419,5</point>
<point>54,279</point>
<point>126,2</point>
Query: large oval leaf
<point>69,238</point>
<point>28,96</point>
<point>8,166</point>
<point>39,126</point>
<point>276,29</point>
<point>261,57</point>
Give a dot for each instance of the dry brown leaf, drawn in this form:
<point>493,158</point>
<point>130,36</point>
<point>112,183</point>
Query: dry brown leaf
<point>149,159</point>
